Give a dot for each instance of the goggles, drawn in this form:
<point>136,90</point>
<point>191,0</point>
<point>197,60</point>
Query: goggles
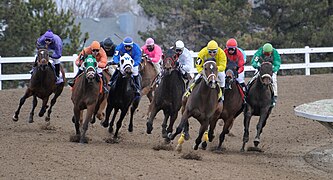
<point>95,50</point>
<point>231,49</point>
<point>212,51</point>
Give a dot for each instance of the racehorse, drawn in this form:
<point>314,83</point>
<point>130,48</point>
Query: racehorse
<point>168,95</point>
<point>232,104</point>
<point>148,74</point>
<point>258,100</point>
<point>87,94</point>
<point>203,104</point>
<point>122,96</point>
<point>42,84</point>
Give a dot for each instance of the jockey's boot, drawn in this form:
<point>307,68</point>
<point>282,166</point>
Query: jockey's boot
<point>221,94</point>
<point>244,88</point>
<point>114,78</point>
<point>137,85</point>
<point>72,82</point>
<point>57,70</point>
<point>105,86</point>
<point>274,100</point>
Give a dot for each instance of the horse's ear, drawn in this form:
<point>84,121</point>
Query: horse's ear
<point>122,61</point>
<point>163,56</point>
<point>95,64</point>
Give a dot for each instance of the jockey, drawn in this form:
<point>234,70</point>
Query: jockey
<point>268,52</point>
<point>53,43</point>
<point>109,47</point>
<point>235,55</point>
<point>212,50</point>
<point>185,60</point>
<point>133,49</point>
<point>100,55</point>
<point>154,53</point>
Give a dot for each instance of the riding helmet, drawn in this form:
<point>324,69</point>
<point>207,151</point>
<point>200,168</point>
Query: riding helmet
<point>231,43</point>
<point>212,45</point>
<point>268,47</point>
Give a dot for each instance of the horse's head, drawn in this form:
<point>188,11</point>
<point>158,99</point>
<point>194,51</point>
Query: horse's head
<point>209,72</point>
<point>266,72</point>
<point>90,66</point>
<point>126,64</point>
<point>169,60</point>
<point>42,59</point>
<point>231,73</point>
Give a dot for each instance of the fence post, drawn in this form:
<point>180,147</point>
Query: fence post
<point>0,75</point>
<point>307,60</point>
<point>75,68</point>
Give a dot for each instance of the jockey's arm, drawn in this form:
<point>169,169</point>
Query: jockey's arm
<point>276,61</point>
<point>136,55</point>
<point>240,62</point>
<point>221,62</point>
<point>188,62</point>
<point>102,60</point>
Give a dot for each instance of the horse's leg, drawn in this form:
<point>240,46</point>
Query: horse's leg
<point>186,131</point>
<point>112,120</point>
<point>150,96</point>
<point>151,118</point>
<point>44,107</point>
<point>247,118</point>
<point>173,118</point>
<point>119,122</point>
<point>135,105</point>
<point>100,113</point>
<point>34,104</point>
<point>227,124</point>
<point>203,128</point>
<point>53,101</point>
<point>26,95</point>
<point>180,126</point>
<point>164,124</point>
<point>108,110</point>
<point>212,126</point>
<point>261,123</point>
<point>89,114</point>
<point>76,121</point>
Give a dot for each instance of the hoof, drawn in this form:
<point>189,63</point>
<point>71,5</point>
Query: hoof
<point>187,136</point>
<point>110,130</point>
<point>204,145</point>
<point>105,123</point>
<point>130,128</point>
<point>83,140</point>
<point>195,147</point>
<point>256,142</point>
<point>149,128</point>
<point>31,120</point>
<point>167,140</point>
<point>15,118</point>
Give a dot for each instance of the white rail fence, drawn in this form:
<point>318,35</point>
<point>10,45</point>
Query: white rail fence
<point>307,65</point>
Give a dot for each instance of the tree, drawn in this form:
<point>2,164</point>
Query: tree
<point>23,22</point>
<point>197,21</point>
<point>296,23</point>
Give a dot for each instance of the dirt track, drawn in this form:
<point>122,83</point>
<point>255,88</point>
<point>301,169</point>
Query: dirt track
<point>28,152</point>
